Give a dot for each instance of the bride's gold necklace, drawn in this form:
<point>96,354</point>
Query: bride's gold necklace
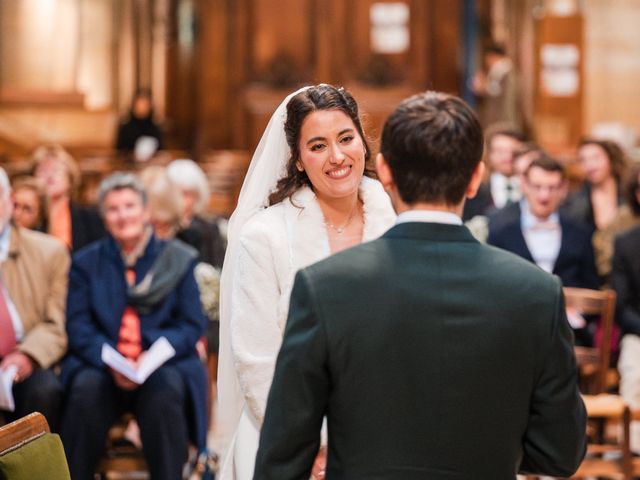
<point>341,228</point>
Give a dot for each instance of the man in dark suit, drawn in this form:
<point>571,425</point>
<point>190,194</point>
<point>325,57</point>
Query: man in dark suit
<point>534,230</point>
<point>502,185</point>
<point>431,355</point>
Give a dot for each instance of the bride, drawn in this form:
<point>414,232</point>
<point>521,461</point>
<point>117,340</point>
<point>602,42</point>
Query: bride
<point>309,193</point>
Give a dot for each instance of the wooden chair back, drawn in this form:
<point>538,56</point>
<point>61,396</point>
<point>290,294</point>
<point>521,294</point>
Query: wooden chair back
<point>22,431</point>
<point>608,456</point>
<point>28,450</point>
<point>594,361</point>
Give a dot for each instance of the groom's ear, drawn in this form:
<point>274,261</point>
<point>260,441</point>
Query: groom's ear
<point>384,173</point>
<point>476,180</point>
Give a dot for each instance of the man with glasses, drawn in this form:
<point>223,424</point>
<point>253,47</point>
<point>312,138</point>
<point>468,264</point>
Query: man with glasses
<point>535,230</point>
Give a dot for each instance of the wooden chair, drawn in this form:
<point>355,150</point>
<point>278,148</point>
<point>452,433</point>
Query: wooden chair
<point>608,451</point>
<point>594,362</point>
<point>121,460</point>
<point>635,461</point>
<point>28,450</point>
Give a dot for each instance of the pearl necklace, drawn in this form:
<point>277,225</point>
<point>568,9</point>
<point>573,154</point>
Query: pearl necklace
<point>341,228</point>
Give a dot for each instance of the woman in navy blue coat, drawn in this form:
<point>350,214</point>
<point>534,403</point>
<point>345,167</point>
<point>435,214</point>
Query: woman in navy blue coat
<point>107,306</point>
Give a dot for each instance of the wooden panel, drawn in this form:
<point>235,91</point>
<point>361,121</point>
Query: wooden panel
<point>375,105</point>
<point>249,54</point>
<point>11,96</point>
<point>39,44</point>
<point>363,64</point>
<point>281,40</point>
<point>214,106</point>
<point>445,36</point>
<point>558,119</point>
<point>70,126</point>
<point>612,63</point>
<point>259,104</point>
<point>181,78</point>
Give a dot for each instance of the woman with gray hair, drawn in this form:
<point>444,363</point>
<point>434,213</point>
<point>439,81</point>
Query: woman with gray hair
<point>198,230</point>
<point>130,292</point>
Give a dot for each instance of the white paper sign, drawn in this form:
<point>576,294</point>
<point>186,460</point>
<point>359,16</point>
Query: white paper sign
<point>6,388</point>
<point>559,55</point>
<point>560,82</point>
<point>389,27</point>
<point>158,354</point>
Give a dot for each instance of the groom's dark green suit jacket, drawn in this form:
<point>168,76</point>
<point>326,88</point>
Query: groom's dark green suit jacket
<point>433,357</point>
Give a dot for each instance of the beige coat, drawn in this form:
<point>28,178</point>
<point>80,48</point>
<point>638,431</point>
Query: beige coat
<point>35,274</point>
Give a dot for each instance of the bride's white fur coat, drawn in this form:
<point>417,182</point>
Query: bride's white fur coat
<point>274,244</point>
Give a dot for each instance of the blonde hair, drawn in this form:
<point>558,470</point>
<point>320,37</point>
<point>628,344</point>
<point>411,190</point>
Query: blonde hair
<point>164,197</point>
<point>57,153</point>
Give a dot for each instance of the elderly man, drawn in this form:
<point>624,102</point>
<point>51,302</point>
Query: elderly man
<point>33,275</point>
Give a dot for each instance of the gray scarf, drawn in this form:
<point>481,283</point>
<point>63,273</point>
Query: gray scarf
<point>166,272</point>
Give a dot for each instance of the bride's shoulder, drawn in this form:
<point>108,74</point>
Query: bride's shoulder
<point>265,222</point>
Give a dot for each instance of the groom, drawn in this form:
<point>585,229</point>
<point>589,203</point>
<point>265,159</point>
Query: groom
<point>431,355</point>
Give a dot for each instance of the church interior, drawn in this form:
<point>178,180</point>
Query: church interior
<point>213,71</point>
<point>217,68</point>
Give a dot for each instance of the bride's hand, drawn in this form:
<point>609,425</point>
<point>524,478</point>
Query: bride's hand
<point>320,464</point>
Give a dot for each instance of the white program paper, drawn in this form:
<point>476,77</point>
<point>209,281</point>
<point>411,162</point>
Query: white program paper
<point>6,388</point>
<point>158,354</point>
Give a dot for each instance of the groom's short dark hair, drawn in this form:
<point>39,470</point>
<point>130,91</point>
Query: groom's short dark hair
<point>432,143</point>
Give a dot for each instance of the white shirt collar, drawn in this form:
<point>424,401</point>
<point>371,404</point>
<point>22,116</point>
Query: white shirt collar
<point>528,220</point>
<point>429,216</point>
<point>500,193</point>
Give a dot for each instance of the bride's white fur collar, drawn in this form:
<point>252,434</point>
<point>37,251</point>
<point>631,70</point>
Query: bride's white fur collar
<point>304,221</point>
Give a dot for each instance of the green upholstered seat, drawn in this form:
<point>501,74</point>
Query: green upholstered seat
<point>42,458</point>
<point>29,451</point>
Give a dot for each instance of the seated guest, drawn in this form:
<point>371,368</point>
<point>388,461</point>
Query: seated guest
<point>627,216</point>
<point>596,203</point>
<point>165,201</point>
<point>127,291</point>
<point>479,225</point>
<point>165,214</point>
<point>502,186</point>
<point>33,288</point>
<point>199,231</point>
<point>534,230</point>
<point>625,279</point>
<point>522,157</point>
<point>72,224</point>
<point>139,137</point>
<point>30,205</point>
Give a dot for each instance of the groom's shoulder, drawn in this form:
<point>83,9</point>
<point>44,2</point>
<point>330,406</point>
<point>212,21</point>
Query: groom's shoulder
<point>352,261</point>
<point>376,258</point>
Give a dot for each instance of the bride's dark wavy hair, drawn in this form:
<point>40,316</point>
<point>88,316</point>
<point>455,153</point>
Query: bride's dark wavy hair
<point>320,97</point>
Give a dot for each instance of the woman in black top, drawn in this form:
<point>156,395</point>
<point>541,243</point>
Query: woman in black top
<point>140,124</point>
